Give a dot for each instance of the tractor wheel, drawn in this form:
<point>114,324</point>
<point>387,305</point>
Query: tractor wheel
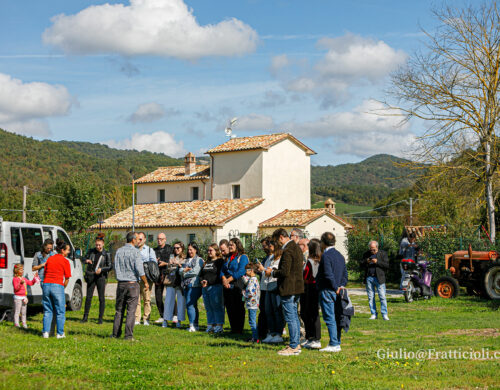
<point>446,287</point>
<point>409,292</point>
<point>492,281</point>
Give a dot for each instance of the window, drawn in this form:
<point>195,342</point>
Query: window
<point>246,239</point>
<point>161,196</point>
<point>191,238</point>
<point>62,236</point>
<point>32,241</point>
<point>236,191</point>
<point>47,233</point>
<point>15,238</point>
<point>195,193</point>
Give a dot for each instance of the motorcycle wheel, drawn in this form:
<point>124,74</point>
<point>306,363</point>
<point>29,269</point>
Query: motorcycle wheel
<point>409,292</point>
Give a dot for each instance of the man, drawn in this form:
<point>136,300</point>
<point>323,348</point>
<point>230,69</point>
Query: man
<point>375,262</point>
<point>303,245</point>
<point>98,262</point>
<point>408,249</point>
<point>290,286</point>
<point>331,279</point>
<point>224,248</point>
<point>147,254</point>
<point>296,235</point>
<point>129,269</point>
<point>162,252</point>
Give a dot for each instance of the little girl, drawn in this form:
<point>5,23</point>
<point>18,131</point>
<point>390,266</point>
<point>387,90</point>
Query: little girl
<point>20,300</point>
<point>251,296</point>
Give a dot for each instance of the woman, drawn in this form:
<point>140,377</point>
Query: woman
<point>232,270</point>
<point>57,274</point>
<point>309,300</point>
<point>174,289</point>
<point>191,284</point>
<point>273,308</point>
<point>40,258</point>
<point>211,284</point>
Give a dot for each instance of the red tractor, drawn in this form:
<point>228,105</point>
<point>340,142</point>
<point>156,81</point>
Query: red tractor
<point>479,272</point>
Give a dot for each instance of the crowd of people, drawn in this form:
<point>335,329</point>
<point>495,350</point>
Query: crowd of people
<point>288,287</point>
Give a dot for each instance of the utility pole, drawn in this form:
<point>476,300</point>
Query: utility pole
<point>133,204</point>
<point>25,193</point>
<point>411,211</point>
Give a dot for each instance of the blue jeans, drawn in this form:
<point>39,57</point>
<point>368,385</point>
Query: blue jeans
<point>252,321</point>
<point>274,313</point>
<point>372,284</point>
<point>327,299</point>
<point>53,300</point>
<point>192,294</point>
<point>291,316</point>
<point>214,304</point>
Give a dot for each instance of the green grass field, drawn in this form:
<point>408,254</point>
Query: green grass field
<point>172,358</point>
<point>342,208</point>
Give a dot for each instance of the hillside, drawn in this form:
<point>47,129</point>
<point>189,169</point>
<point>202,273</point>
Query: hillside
<point>361,183</point>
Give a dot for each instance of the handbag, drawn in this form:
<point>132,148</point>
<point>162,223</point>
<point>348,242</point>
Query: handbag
<point>89,274</point>
<point>152,271</point>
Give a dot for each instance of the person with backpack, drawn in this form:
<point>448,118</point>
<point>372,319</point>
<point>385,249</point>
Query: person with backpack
<point>147,255</point>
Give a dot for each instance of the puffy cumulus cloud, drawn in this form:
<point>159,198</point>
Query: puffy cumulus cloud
<point>24,106</point>
<point>148,27</point>
<point>254,122</point>
<point>158,142</point>
<point>350,61</point>
<point>151,112</point>
<point>376,143</point>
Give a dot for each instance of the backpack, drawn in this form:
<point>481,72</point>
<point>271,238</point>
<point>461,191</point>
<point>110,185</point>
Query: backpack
<point>152,271</point>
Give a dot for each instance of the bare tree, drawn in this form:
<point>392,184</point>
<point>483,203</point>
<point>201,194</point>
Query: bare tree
<point>454,88</point>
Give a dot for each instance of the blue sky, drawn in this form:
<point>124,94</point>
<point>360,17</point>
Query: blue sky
<point>167,75</point>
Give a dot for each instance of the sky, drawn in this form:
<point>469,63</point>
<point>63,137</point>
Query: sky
<point>168,75</point>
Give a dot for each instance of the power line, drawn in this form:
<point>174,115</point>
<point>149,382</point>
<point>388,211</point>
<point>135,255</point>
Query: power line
<point>46,193</point>
<point>384,216</point>
<point>378,208</point>
<point>31,211</point>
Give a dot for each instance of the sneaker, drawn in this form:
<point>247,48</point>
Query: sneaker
<point>146,323</point>
<point>178,325</point>
<point>268,338</point>
<point>130,339</point>
<point>192,328</point>
<point>331,348</point>
<point>165,324</point>
<point>159,321</point>
<point>61,336</point>
<point>45,335</point>
<point>289,351</point>
<point>218,329</point>
<point>25,326</point>
<point>137,323</point>
<point>276,339</point>
<point>385,317</point>
<point>373,317</point>
<point>210,328</point>
<point>313,345</point>
<point>174,319</point>
<point>303,342</point>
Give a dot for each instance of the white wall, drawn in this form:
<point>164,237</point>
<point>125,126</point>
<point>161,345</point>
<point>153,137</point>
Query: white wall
<point>174,191</point>
<point>173,234</point>
<point>289,188</point>
<point>327,224</point>
<point>243,168</point>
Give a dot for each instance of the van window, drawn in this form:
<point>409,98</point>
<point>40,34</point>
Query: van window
<point>15,238</point>
<point>62,236</point>
<point>32,241</point>
<point>47,233</point>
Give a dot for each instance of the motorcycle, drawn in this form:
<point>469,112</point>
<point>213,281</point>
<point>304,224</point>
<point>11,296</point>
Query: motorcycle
<point>416,281</point>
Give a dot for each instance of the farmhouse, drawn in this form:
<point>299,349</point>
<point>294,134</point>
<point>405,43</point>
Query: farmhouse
<point>247,181</point>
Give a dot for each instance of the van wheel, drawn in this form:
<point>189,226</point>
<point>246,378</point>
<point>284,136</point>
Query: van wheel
<point>75,302</point>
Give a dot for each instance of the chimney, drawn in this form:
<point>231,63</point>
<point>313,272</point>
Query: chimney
<point>189,164</point>
<point>330,205</point>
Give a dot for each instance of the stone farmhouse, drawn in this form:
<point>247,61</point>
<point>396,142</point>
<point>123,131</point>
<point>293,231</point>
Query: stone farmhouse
<point>253,185</point>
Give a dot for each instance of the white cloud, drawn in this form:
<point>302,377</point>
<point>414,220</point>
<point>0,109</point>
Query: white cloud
<point>24,106</point>
<point>158,142</point>
<point>254,122</point>
<point>148,27</point>
<point>350,61</point>
<point>150,112</point>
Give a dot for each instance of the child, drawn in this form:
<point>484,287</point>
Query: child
<point>251,296</point>
<point>20,300</point>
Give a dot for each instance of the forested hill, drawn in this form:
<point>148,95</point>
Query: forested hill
<point>361,183</point>
<point>26,161</point>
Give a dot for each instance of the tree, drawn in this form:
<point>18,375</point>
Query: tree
<point>454,87</point>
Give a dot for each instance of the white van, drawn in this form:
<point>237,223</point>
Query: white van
<point>18,244</point>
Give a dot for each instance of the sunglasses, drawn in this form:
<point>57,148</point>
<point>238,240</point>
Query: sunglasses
<point>177,247</point>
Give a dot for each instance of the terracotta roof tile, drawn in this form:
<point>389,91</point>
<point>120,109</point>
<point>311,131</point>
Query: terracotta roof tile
<point>166,174</point>
<point>179,214</point>
<point>297,218</point>
<point>257,142</point>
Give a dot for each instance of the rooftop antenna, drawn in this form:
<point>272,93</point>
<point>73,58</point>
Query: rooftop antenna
<point>229,130</point>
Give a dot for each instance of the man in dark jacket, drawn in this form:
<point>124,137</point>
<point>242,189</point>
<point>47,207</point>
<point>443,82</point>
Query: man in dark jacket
<point>163,252</point>
<point>331,279</point>
<point>290,286</point>
<point>98,262</point>
<point>375,262</point>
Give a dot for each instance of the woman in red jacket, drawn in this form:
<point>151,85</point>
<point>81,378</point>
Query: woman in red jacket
<point>57,274</point>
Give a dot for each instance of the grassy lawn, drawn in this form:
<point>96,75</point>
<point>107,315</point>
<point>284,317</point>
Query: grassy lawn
<point>342,208</point>
<point>173,358</point>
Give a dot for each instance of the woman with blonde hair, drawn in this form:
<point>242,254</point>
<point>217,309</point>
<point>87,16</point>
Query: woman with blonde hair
<point>174,288</point>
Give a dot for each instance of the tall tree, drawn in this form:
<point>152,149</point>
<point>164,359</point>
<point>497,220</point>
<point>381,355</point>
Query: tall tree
<point>454,87</point>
